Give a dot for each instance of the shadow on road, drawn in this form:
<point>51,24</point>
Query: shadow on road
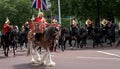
<point>29,66</point>
<point>3,57</point>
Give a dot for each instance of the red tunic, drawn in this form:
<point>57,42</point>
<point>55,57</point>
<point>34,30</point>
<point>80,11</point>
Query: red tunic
<point>6,28</point>
<point>38,19</point>
<point>31,25</point>
<point>42,24</point>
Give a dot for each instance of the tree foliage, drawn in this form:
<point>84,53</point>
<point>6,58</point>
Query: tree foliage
<point>16,10</point>
<point>20,10</point>
<point>87,8</point>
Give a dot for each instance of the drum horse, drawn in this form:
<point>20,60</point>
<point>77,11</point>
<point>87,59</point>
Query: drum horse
<point>46,40</point>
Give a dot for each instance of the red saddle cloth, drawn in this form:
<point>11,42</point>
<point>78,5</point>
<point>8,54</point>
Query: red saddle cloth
<point>39,27</point>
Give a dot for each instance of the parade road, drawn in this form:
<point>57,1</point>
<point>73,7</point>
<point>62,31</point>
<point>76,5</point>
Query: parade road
<point>86,58</point>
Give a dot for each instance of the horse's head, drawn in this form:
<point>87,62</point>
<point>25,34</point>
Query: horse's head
<point>50,33</point>
<point>64,31</point>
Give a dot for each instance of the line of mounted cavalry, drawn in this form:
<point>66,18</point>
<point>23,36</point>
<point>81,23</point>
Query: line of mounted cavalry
<point>76,36</point>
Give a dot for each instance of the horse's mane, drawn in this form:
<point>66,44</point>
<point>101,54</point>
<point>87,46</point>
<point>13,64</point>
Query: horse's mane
<point>49,33</point>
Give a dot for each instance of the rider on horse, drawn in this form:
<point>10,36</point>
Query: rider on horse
<point>104,23</point>
<point>41,24</point>
<point>26,27</point>
<point>89,25</point>
<point>55,23</point>
<point>74,26</point>
<point>32,23</point>
<point>7,27</point>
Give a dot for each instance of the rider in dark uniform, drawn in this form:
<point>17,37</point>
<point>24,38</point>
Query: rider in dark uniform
<point>89,25</point>
<point>104,25</point>
<point>26,27</point>
<point>74,26</point>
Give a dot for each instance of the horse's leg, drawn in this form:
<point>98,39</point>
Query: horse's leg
<point>38,55</point>
<point>49,61</point>
<point>55,47</point>
<point>81,43</point>
<point>75,43</point>
<point>111,42</point>
<point>7,50</point>
<point>4,48</point>
<point>62,46</point>
<point>105,39</point>
<point>31,53</point>
<point>39,50</point>
<point>14,49</point>
<point>21,44</point>
<point>78,42</point>
<point>70,43</point>
<point>64,43</point>
<point>43,60</point>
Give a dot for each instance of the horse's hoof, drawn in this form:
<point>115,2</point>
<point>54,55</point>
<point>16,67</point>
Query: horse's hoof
<point>51,64</point>
<point>43,63</point>
<point>33,62</point>
<point>39,59</point>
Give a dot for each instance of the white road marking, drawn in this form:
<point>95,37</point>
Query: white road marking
<point>97,58</point>
<point>107,53</point>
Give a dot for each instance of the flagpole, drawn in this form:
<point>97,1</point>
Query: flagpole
<point>59,11</point>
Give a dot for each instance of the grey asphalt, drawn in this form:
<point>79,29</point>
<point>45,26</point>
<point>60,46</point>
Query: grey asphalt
<point>86,58</point>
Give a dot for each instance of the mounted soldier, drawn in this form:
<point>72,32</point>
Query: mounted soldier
<point>32,23</point>
<point>7,38</point>
<point>104,24</point>
<point>7,27</point>
<point>89,25</point>
<point>74,26</point>
<point>40,25</point>
<point>26,27</point>
<point>55,23</point>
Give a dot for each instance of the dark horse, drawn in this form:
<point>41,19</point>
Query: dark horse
<point>46,40</point>
<point>9,40</point>
<point>108,32</point>
<point>90,33</point>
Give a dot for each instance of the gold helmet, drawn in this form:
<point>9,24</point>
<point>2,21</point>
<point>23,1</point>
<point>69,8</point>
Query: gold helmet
<point>33,18</point>
<point>104,22</point>
<point>40,14</point>
<point>7,20</point>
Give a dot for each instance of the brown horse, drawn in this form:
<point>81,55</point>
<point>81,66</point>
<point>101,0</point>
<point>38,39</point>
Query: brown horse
<point>46,40</point>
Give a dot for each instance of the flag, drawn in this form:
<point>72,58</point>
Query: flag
<point>40,4</point>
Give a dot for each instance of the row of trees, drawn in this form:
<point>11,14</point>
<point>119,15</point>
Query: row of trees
<point>88,8</point>
<point>20,10</point>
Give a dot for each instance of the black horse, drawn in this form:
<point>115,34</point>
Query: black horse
<point>93,34</point>
<point>23,37</point>
<point>69,35</point>
<point>9,41</point>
